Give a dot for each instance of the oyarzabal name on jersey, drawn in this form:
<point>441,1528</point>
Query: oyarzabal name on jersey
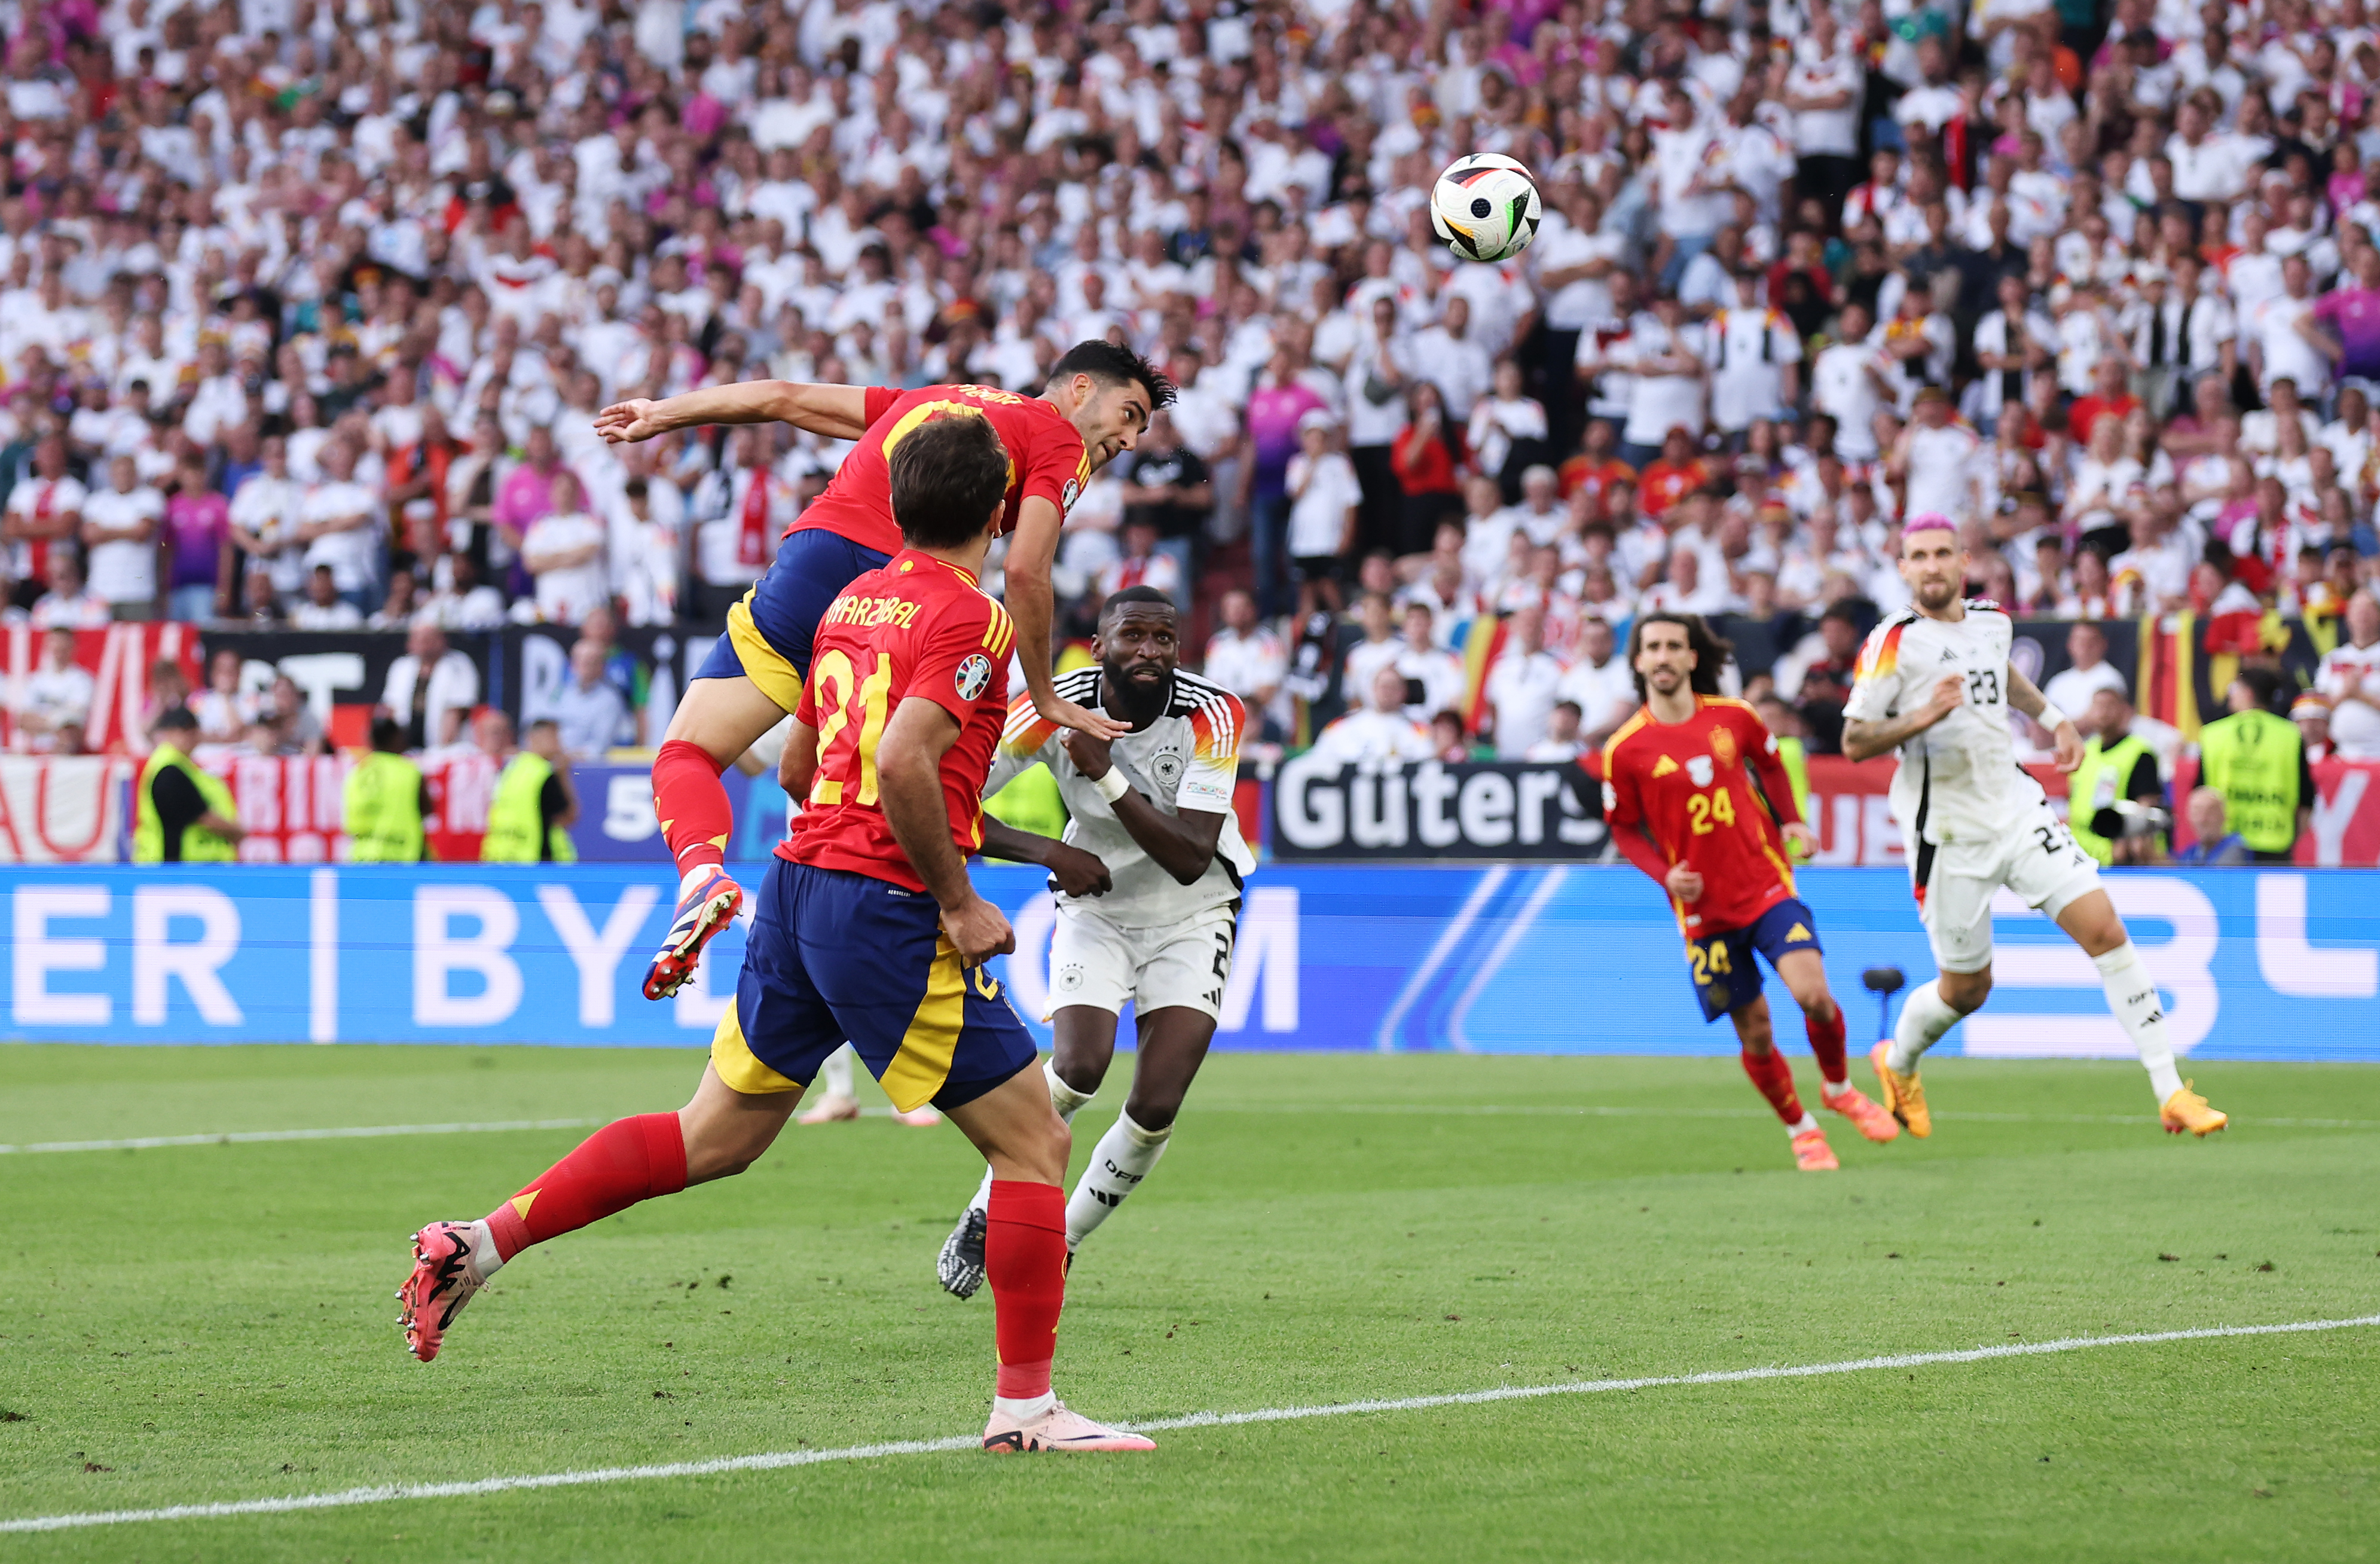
<point>1325,808</point>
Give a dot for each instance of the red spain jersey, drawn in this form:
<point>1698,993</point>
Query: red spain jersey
<point>1045,458</point>
<point>1689,785</point>
<point>918,627</point>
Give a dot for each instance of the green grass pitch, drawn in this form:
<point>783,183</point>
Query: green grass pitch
<point>214,1322</point>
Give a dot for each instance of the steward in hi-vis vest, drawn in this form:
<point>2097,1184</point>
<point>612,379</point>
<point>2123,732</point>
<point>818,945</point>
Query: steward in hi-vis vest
<point>386,802</point>
<point>180,814</point>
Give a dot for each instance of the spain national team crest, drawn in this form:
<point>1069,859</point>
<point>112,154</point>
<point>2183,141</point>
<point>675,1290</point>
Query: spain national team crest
<point>974,676</point>
<point>1699,770</point>
<point>1722,744</point>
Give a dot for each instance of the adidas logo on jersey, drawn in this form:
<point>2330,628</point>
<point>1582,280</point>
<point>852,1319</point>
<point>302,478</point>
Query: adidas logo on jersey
<point>1797,932</point>
<point>1950,655</point>
<point>1665,767</point>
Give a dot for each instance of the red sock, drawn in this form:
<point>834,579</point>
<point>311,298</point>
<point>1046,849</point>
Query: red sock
<point>1024,1260</point>
<point>1827,1042</point>
<point>1775,1078</point>
<point>625,1161</point>
<point>695,818</point>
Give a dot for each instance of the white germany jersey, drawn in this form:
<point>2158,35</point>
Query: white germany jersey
<point>1959,780</point>
<point>1188,758</point>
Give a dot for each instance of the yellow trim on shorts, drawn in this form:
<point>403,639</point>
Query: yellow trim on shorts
<point>763,664</point>
<point>923,1063</point>
<point>739,1066</point>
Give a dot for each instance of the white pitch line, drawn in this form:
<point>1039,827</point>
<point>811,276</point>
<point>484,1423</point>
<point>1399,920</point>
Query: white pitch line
<point>1459,1109</point>
<point>777,1459</point>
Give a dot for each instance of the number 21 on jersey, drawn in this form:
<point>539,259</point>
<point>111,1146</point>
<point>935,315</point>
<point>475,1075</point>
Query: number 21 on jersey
<point>853,708</point>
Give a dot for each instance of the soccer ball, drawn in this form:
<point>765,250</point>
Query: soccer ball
<point>1486,207</point>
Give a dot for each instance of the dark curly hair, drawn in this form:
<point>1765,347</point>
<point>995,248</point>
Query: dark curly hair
<point>1116,366</point>
<point>1711,651</point>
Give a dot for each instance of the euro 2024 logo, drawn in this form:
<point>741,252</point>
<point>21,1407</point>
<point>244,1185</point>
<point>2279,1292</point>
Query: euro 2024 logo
<point>974,676</point>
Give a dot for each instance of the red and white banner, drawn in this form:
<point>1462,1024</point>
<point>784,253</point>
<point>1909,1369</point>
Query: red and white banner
<point>1851,817</point>
<point>76,810</point>
<point>118,660</point>
<point>294,807</point>
<point>62,809</point>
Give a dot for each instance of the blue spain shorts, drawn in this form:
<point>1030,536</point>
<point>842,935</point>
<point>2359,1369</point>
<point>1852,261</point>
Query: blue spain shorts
<point>834,955</point>
<point>768,638</point>
<point>1725,975</point>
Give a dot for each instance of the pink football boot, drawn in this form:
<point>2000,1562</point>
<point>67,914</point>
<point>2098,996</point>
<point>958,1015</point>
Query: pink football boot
<point>444,1279</point>
<point>1057,1429</point>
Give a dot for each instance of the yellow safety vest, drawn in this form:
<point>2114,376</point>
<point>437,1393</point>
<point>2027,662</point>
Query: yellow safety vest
<point>2251,759</point>
<point>2102,771</point>
<point>199,845</point>
<point>1790,753</point>
<point>513,817</point>
<point>384,810</point>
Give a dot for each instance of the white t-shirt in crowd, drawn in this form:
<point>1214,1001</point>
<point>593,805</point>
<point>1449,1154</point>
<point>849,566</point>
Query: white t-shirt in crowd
<point>1523,688</point>
<point>125,570</point>
<point>2354,727</point>
<point>350,554</point>
<point>564,595</point>
<point>1318,517</point>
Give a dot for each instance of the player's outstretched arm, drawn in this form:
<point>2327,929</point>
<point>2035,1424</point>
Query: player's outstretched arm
<point>1863,741</point>
<point>908,772</point>
<point>2027,697</point>
<point>1078,873</point>
<point>1030,602</point>
<point>838,412</point>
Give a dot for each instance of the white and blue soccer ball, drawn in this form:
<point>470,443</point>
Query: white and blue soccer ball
<point>1486,207</point>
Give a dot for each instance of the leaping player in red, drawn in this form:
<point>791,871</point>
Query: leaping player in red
<point>867,928</point>
<point>1093,406</point>
<point>1682,807</point>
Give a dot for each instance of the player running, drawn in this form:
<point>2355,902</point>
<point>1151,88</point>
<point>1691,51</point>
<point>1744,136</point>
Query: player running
<point>1095,405</point>
<point>866,928</point>
<point>1934,683</point>
<point>1153,811</point>
<point>1682,807</point>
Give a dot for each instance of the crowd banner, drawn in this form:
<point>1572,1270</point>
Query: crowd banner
<point>118,659</point>
<point>2264,964</point>
<point>521,667</point>
<point>1328,808</point>
<point>63,809</point>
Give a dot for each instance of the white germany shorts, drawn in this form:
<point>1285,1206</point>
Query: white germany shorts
<point>2037,859</point>
<point>1095,962</point>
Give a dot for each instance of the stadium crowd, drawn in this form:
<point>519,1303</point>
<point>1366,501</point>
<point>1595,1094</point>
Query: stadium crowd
<point>306,307</point>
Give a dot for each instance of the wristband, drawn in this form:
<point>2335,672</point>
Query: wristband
<point>2051,719</point>
<point>1112,786</point>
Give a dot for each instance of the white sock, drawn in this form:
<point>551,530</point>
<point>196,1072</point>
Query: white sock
<point>1832,1088</point>
<point>838,1071</point>
<point>1063,1098</point>
<point>1923,1021</point>
<point>692,878</point>
<point>1025,1409</point>
<point>484,1258</point>
<point>982,1201</point>
<point>1808,1123</point>
<point>1119,1162</point>
<point>2133,995</point>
